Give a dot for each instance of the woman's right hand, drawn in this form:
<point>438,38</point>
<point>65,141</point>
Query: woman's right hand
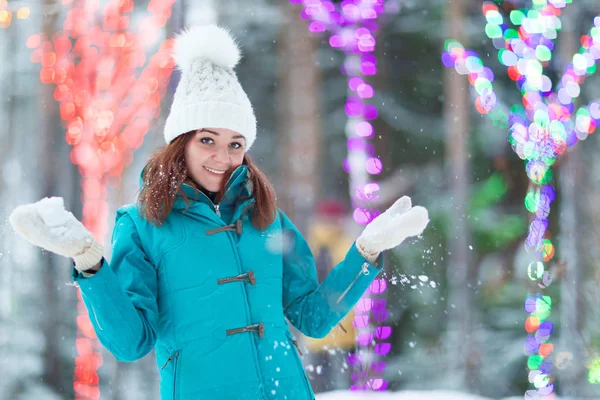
<point>48,225</point>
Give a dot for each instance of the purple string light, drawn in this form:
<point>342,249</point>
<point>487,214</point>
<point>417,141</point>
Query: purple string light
<point>352,26</point>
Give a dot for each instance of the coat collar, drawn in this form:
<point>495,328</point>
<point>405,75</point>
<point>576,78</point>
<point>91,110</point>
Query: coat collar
<point>238,185</point>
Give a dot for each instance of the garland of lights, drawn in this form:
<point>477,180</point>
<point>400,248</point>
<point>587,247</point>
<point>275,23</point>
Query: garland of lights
<point>352,31</point>
<point>107,102</point>
<point>7,11</point>
<point>541,129</point>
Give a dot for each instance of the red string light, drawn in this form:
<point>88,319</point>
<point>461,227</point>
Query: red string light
<point>107,99</point>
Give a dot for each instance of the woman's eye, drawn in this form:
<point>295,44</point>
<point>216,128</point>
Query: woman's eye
<point>236,145</point>
<point>206,140</point>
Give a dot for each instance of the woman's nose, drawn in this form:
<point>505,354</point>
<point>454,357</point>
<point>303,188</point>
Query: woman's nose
<point>222,156</point>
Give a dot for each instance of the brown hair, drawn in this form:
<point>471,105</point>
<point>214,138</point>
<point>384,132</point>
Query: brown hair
<point>166,172</point>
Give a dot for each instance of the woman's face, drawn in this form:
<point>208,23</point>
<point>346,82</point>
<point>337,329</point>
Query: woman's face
<point>210,153</point>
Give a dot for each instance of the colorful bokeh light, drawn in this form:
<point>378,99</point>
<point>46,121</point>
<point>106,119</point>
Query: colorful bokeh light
<point>352,28</point>
<point>541,129</point>
<point>108,95</point>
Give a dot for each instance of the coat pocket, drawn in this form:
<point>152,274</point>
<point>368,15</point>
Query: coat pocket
<point>174,361</point>
<point>296,355</point>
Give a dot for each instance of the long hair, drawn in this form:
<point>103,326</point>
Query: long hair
<point>166,172</point>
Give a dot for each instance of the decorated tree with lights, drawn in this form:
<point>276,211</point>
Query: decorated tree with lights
<point>109,93</point>
<point>542,128</point>
<point>352,27</point>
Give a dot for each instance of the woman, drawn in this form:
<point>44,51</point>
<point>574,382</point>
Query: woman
<point>205,269</point>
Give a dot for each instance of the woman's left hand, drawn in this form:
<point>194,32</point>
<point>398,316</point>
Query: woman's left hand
<point>392,227</point>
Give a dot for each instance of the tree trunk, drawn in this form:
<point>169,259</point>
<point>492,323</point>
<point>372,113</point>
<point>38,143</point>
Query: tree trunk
<point>50,146</point>
<point>299,118</point>
<point>461,344</point>
<point>571,377</point>
<point>8,277</point>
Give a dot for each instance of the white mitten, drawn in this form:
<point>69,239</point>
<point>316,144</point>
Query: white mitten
<point>390,228</point>
<point>48,225</point>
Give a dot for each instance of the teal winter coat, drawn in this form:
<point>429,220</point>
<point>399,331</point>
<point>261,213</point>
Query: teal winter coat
<point>211,293</point>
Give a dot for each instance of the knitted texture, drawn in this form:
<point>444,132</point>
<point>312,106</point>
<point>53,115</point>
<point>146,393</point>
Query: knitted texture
<point>209,94</point>
<point>392,227</point>
<point>48,225</point>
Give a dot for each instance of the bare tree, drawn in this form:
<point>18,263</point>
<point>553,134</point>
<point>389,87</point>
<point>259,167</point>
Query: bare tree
<point>462,369</point>
<point>571,377</point>
<point>51,143</point>
<point>299,118</point>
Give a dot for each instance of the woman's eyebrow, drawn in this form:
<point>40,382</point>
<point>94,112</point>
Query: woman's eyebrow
<point>217,134</point>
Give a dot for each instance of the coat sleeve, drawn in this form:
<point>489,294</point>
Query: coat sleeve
<point>121,296</point>
<point>313,308</point>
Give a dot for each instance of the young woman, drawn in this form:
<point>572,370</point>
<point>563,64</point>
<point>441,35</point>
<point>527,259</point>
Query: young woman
<point>205,268</point>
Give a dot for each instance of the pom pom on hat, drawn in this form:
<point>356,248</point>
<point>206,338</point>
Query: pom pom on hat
<point>209,42</point>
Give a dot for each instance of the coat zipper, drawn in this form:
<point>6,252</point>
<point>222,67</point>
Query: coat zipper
<point>169,360</point>
<point>96,318</point>
<point>216,206</point>
<point>299,362</point>
<point>297,348</point>
<point>91,307</point>
<point>364,270</point>
<point>175,357</point>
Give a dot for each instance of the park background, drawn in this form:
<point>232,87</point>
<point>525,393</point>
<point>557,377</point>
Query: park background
<point>455,295</point>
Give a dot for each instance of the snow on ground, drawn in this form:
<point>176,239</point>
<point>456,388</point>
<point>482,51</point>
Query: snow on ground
<point>404,395</point>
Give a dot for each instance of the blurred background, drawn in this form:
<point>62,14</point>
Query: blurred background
<point>455,296</point>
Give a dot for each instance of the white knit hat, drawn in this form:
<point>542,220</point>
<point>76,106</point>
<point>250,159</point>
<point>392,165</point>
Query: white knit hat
<point>209,94</point>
